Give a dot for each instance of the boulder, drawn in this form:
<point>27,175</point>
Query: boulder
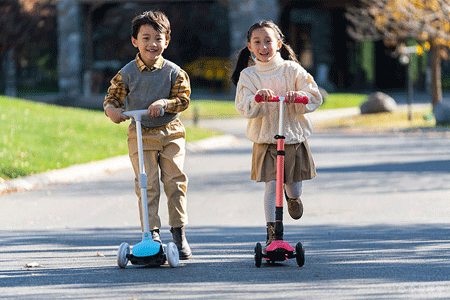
<point>377,103</point>
<point>442,113</point>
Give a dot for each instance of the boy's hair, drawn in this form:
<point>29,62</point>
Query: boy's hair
<point>157,19</point>
<point>245,58</point>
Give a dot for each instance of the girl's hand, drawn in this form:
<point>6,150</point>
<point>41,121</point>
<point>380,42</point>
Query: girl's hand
<point>266,94</point>
<point>154,110</point>
<point>115,114</point>
<point>290,96</point>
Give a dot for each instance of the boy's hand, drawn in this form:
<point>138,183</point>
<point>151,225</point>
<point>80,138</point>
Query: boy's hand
<point>266,94</point>
<point>154,110</point>
<point>115,114</point>
<point>290,96</point>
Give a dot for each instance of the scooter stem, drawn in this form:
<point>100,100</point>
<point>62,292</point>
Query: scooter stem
<point>280,173</point>
<point>142,177</point>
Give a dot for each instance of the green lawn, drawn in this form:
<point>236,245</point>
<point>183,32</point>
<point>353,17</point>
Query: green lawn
<point>340,100</point>
<point>39,137</point>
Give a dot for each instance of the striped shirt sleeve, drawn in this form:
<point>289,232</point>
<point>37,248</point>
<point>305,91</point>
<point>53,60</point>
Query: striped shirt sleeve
<point>180,93</point>
<point>117,93</point>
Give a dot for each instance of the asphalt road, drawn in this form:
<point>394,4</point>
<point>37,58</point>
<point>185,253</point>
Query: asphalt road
<point>376,226</point>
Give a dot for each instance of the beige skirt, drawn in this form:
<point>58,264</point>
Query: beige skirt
<point>298,163</point>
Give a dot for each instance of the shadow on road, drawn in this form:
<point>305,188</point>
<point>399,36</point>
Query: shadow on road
<point>224,255</point>
<point>435,166</point>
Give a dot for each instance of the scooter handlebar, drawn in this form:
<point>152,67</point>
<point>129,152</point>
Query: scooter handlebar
<point>138,114</point>
<point>304,99</point>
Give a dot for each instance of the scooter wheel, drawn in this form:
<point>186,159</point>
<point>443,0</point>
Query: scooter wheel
<point>258,255</point>
<point>173,257</point>
<point>124,250</point>
<point>300,254</point>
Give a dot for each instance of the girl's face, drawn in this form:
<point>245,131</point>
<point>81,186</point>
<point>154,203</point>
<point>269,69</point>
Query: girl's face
<point>264,44</point>
<point>151,44</point>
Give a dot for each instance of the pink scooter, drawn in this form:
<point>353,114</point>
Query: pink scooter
<point>280,250</point>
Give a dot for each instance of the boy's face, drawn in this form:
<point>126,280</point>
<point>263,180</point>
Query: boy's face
<point>151,44</point>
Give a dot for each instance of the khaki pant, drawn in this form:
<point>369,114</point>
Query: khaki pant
<point>164,151</point>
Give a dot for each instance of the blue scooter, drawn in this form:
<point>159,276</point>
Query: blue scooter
<point>147,252</point>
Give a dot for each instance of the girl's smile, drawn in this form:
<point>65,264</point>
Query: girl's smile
<point>264,44</point>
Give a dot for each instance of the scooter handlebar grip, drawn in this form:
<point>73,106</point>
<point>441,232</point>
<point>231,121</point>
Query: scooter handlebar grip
<point>304,99</point>
<point>259,98</point>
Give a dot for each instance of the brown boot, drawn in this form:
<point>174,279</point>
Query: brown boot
<point>295,207</point>
<point>270,234</point>
<point>179,238</point>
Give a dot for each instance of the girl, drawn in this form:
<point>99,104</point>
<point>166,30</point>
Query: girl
<point>268,67</point>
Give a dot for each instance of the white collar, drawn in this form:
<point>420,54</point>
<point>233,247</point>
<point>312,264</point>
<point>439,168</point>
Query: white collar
<point>275,62</point>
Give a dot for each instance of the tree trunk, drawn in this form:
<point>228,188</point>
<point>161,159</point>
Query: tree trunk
<point>436,87</point>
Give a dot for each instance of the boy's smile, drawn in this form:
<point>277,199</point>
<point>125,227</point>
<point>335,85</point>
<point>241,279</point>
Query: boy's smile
<point>151,44</point>
<point>264,44</point>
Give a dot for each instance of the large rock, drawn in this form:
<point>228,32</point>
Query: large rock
<point>377,103</point>
<point>442,113</point>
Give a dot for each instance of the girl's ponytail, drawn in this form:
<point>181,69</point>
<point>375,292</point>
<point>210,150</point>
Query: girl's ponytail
<point>287,53</point>
<point>243,61</point>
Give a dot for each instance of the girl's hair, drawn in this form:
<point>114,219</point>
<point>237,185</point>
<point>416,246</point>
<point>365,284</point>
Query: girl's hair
<point>157,19</point>
<point>245,58</point>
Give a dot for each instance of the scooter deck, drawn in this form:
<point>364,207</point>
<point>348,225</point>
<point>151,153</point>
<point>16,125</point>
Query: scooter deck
<point>278,251</point>
<point>154,260</point>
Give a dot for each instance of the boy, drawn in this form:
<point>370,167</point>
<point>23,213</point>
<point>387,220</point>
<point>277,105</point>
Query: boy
<point>154,83</point>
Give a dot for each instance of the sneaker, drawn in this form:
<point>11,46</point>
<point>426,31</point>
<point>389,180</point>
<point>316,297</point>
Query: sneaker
<point>295,207</point>
<point>155,236</point>
<point>179,238</point>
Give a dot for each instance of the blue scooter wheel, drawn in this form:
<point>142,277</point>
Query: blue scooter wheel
<point>122,259</point>
<point>173,257</point>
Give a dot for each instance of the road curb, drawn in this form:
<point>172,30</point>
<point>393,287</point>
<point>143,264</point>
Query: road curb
<point>72,173</point>
<point>84,171</point>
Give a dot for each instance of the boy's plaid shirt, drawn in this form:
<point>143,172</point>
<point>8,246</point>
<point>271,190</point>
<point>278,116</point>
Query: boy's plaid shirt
<point>179,94</point>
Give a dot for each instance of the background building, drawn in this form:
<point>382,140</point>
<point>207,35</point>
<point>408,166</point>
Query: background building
<point>91,42</point>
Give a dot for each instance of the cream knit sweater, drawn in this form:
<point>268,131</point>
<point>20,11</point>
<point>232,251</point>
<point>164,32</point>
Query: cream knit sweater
<point>281,76</point>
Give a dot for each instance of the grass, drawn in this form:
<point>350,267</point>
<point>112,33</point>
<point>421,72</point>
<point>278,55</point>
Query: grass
<point>340,100</point>
<point>39,137</point>
<point>207,109</point>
